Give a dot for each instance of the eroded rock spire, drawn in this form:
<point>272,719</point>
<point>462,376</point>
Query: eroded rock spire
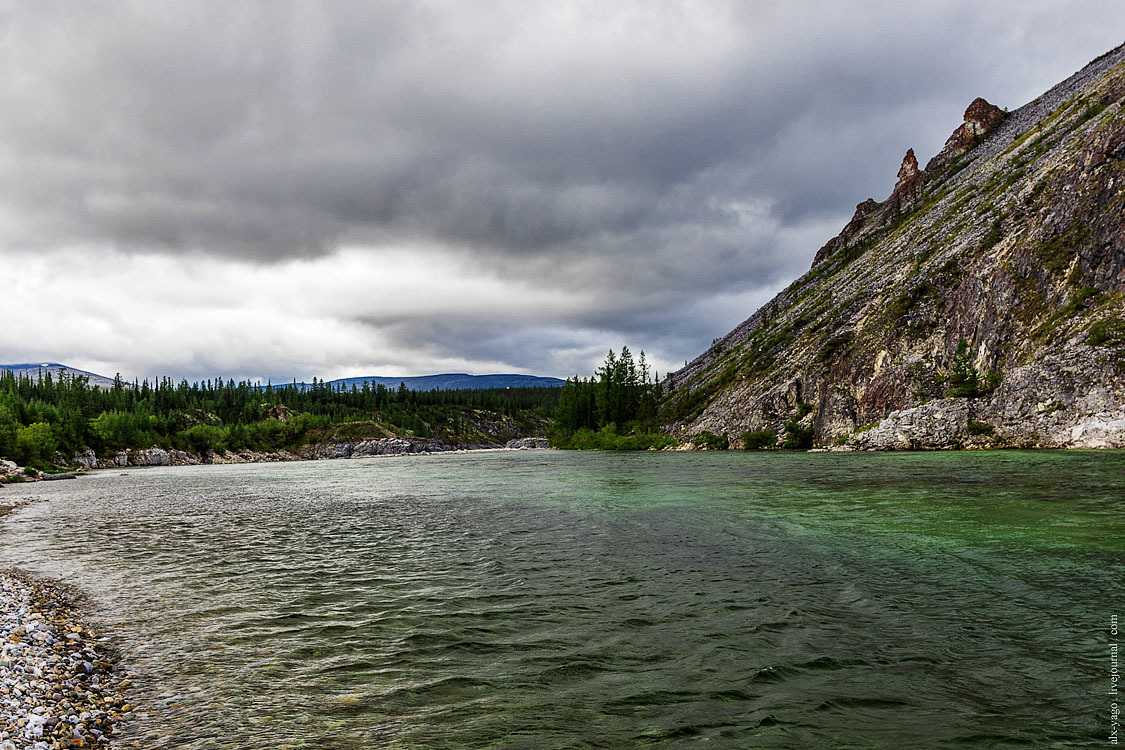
<point>980,118</point>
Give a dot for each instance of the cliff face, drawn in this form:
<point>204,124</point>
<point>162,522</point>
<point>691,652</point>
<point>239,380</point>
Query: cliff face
<point>981,304</point>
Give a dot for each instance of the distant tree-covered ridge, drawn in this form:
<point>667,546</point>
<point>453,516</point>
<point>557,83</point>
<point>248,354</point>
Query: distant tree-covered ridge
<point>40,417</point>
<point>614,410</point>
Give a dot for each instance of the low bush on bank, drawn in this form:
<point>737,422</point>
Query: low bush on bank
<point>712,442</point>
<point>756,440</point>
<point>607,439</point>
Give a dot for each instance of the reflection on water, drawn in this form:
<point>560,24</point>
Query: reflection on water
<point>543,599</point>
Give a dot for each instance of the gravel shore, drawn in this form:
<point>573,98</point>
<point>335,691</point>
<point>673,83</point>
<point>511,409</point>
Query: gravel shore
<point>59,682</point>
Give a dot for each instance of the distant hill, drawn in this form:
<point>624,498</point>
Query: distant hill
<point>453,381</point>
<point>54,369</point>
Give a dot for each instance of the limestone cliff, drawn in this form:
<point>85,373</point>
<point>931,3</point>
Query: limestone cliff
<point>981,304</point>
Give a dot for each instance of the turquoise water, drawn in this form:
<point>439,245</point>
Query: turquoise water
<point>546,599</point>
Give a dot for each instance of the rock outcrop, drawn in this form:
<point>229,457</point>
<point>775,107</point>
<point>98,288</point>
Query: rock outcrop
<point>982,304</point>
<point>909,183</point>
<point>318,451</point>
<point>9,469</point>
<point>527,443</point>
<point>980,119</point>
<point>872,214</point>
<point>380,447</point>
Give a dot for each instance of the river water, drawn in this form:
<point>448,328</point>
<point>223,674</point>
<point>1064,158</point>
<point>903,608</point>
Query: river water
<point>543,599</point>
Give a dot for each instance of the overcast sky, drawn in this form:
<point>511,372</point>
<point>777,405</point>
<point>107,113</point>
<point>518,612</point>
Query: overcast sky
<point>279,190</point>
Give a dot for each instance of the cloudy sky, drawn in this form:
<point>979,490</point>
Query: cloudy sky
<point>279,190</point>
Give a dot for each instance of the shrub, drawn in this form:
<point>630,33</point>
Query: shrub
<point>1107,331</point>
<point>835,346</point>
<point>994,235</point>
<point>981,428</point>
<point>607,439</point>
<point>797,437</point>
<point>759,439</point>
<point>203,437</point>
<point>711,441</point>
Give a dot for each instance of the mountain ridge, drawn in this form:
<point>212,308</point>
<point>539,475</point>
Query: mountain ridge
<point>1011,241</point>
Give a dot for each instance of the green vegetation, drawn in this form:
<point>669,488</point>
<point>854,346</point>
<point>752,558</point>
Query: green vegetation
<point>1057,254</point>
<point>615,410</point>
<point>689,402</point>
<point>981,428</point>
<point>1091,112</point>
<point>756,440</point>
<point>905,302</point>
<point>994,235</point>
<point>836,345</point>
<point>711,441</point>
<point>1107,331</point>
<point>796,436</point>
<point>607,439</point>
<point>41,416</point>
<point>963,379</point>
<point>1080,300</point>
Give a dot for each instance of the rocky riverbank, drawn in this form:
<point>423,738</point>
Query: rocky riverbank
<point>12,473</point>
<point>315,452</point>
<point>60,683</point>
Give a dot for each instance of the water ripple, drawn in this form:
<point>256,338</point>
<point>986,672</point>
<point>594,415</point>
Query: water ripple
<point>591,600</point>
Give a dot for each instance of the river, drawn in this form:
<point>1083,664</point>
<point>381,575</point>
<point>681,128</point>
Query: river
<point>544,599</point>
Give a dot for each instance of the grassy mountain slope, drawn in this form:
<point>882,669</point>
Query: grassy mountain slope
<point>981,304</point>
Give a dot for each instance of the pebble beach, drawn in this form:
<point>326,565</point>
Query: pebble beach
<point>60,683</point>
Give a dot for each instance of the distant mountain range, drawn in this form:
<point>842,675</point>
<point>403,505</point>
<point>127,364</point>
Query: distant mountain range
<point>444,382</point>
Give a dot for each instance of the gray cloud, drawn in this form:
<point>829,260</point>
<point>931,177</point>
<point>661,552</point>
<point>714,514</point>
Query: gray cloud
<point>642,159</point>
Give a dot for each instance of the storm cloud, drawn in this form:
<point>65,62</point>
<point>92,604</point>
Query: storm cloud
<point>298,189</point>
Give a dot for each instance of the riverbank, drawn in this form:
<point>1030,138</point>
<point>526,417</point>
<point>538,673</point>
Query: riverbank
<point>10,473</point>
<point>313,452</point>
<point>61,683</point>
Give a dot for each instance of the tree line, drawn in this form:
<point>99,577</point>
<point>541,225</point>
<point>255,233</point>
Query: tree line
<point>40,416</point>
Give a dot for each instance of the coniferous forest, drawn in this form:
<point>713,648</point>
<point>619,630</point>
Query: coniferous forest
<point>40,417</point>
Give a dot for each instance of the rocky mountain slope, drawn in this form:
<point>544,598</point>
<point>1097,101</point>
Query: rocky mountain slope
<point>982,304</point>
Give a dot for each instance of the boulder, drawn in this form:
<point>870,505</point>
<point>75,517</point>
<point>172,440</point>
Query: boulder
<point>150,457</point>
<point>86,458</point>
<point>527,443</point>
